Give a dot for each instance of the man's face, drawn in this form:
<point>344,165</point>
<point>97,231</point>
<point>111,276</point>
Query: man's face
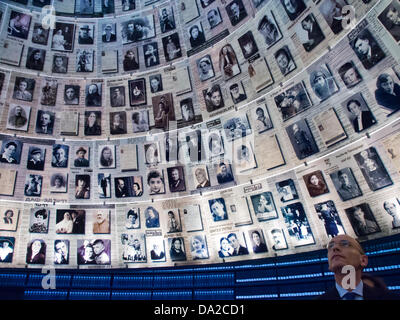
<point>92,89</point>
<point>175,175</point>
<point>218,209</point>
<point>235,9</point>
<point>131,27</point>
<point>99,217</point>
<point>277,238</point>
<point>393,16</point>
<point>212,17</point>
<point>282,60</point>
<point>155,184</point>
<point>233,241</point>
<point>36,156</point>
<point>108,30</point>
<point>61,248</point>
<point>154,83</point>
<point>70,93</point>
<point>319,82</point>
<point>388,85</point>
<point>200,176</point>
<point>354,109</point>
<point>362,46</point>
<point>59,62</point>
<point>18,111</point>
<point>23,85</point>
<point>98,248</point>
<point>10,151</point>
<point>391,209</point>
<point>350,76</point>
<point>235,92</point>
<point>204,66</point>
<point>344,179</point>
<point>359,214</point>
<point>81,154</point>
<point>107,154</point>
<point>60,154</point>
<point>216,98</point>
<point>45,119</point>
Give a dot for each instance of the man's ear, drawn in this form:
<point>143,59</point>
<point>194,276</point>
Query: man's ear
<point>364,261</point>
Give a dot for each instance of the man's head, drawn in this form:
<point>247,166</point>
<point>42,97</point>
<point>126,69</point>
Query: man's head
<point>354,107</point>
<point>349,74</point>
<point>393,15</point>
<point>201,175</point>
<point>10,148</point>
<point>361,45</point>
<point>343,178</point>
<point>282,58</point>
<point>175,174</point>
<point>217,208</point>
<point>155,181</point>
<point>61,247</point>
<point>98,246</point>
<point>45,119</point>
<point>290,5</point>
<point>233,240</point>
<point>386,83</point>
<point>391,208</point>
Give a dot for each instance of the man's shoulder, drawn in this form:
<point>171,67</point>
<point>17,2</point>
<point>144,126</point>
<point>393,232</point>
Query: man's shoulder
<point>331,294</point>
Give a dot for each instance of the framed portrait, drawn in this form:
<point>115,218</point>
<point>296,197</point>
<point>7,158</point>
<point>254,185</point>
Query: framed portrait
<point>45,122</point>
<point>156,182</point>
<point>104,185</point>
<point>329,215</point>
<point>11,151</point>
<point>152,217</point>
<point>302,139</point>
<point>392,209</point>
<point>60,156</point>
<point>187,110</point>
<point>40,35</point>
<point>172,47</point>
<point>131,59</point>
<point>213,98</point>
<point>202,179</point>
<point>244,158</point>
<point>138,29</point>
<point>264,206</point>
<point>349,74</point>
<point>59,182</point>
<point>152,153</point>
<point>61,251</point>
<point>297,224</point>
<point>196,35</point>
<point>177,249</point>
<point>171,146</point>
<point>176,179</point>
<point>84,7</point>
<point>332,12</point>
<point>261,118</point>
<point>33,185</point>
<point>19,24</point>
<point>269,29</point>
<point>39,257</point>
<point>389,19</point>
<point>278,238</point>
<point>206,3</point>
<point>24,88</point>
<point>237,92</point>
<point>258,241</point>
<point>101,221</point>
<point>205,68</point>
<point>157,248</point>
<point>151,54</point>
<point>132,219</point>
<point>60,64</point>
<point>293,8</point>
<point>71,94</point>
<point>9,219</point>
<point>292,100</point>
<point>36,158</point>
<point>198,247</point>
<point>362,220</point>
<point>223,171</point>
<point>107,159</point>
<point>192,218</point>
<point>82,186</point>
<point>232,244</point>
<point>346,184</point>
<point>84,60</point>
<point>133,247</point>
<point>117,96</point>
<point>218,209</point>
<point>236,12</point>
<point>70,221</point>
<point>315,183</point>
<point>309,32</point>
<point>94,251</point>
<point>122,187</point>
<point>49,92</point>
<point>367,49</point>
<point>387,93</point>
<point>39,220</point>
<point>109,32</point>
<point>329,127</point>
<point>287,190</point>
<point>85,34</point>
<point>163,110</point>
<point>215,144</point>
<point>7,244</point>
<point>173,221</point>
<point>190,147</point>
<point>358,113</point>
<point>82,156</point>
<point>35,59</point>
<point>156,84</point>
<point>322,82</point>
<point>93,92</point>
<point>140,121</point>
<point>214,17</point>
<point>63,37</point>
<point>108,7</point>
<point>137,92</point>
<point>373,169</point>
<point>228,62</point>
<point>118,122</point>
<point>237,127</point>
<point>92,123</point>
<point>167,19</point>
<point>248,45</point>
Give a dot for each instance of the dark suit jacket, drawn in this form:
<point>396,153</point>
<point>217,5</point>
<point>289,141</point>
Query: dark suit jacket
<point>368,294</point>
<point>113,38</point>
<point>367,120</point>
<point>376,55</point>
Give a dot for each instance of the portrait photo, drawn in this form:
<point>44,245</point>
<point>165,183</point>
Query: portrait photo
<point>140,121</point>
<point>264,206</point>
<point>84,60</point>
<point>131,59</point>
<point>138,29</point>
<point>362,220</point>
<point>196,35</point>
<point>205,68</point>
<point>117,96</point>
<point>232,244</point>
<point>202,177</point>
<point>85,34</point>
<point>315,183</point>
<point>173,221</point>
<point>24,88</point>
<point>155,182</point>
<point>223,171</point>
<point>36,158</point>
<point>71,94</point>
<point>104,185</point>
<point>18,117</point>
<point>19,24</point>
<point>40,35</point>
<point>248,44</point>
<point>228,63</point>
<point>214,17</point>
<point>190,147</point>
<point>187,110</point>
<point>392,208</point>
<point>107,6</point>
<point>218,209</point>
<point>236,12</point>
<point>151,55</point>
<point>285,60</point>
<point>132,219</point>
<point>9,219</point>
<point>82,156</point>
<point>349,74</point>
<point>287,190</point>
<point>163,110</point>
<point>60,156</point>
<point>93,93</point>
<point>156,84</point>
<point>367,49</point>
<point>198,247</point>
<point>45,122</point>
<point>328,214</point>
<point>152,217</point>
<point>61,252</point>
<point>101,221</point>
<point>269,29</point>
<point>152,153</point>
<point>7,245</point>
<point>215,144</point>
<point>63,37</point>
<point>133,247</point>
<point>60,64</point>
<point>176,179</point>
<point>92,123</point>
<point>258,241</point>
<point>172,47</point>
<point>11,151</point>
<point>35,59</point>
<point>387,93</point>
<point>322,82</point>
<point>261,118</point>
<point>293,8</point>
<point>177,249</point>
<point>122,187</point>
<point>109,32</point>
<point>167,19</point>
<point>97,252</point>
<point>237,92</point>
<point>84,7</point>
<point>49,92</point>
<point>82,186</point>
<point>157,248</point>
<point>213,98</point>
<point>309,32</point>
<point>59,182</point>
<point>36,252</point>
<point>118,122</point>
<point>206,3</point>
<point>277,237</point>
<point>33,185</point>
<point>390,19</point>
<point>373,169</point>
<point>39,220</point>
<point>243,156</point>
<point>107,158</point>
<point>237,127</point>
<point>302,139</point>
<point>292,101</point>
<point>137,92</point>
<point>346,184</point>
<point>297,224</point>
<point>332,12</point>
<point>358,113</point>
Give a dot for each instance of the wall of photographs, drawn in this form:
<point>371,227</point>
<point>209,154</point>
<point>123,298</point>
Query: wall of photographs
<point>269,132</point>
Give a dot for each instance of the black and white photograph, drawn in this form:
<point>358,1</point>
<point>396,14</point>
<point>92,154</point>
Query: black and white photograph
<point>40,35</point>
<point>261,118</point>
<point>202,178</point>
<point>133,247</point>
<point>107,158</point>
<point>140,121</point>
<point>138,29</point>
<point>60,64</point>
<point>63,37</point>
<point>109,33</point>
<point>223,171</point>
<point>237,92</point>
<point>84,7</point>
<point>132,219</point>
<point>237,127</point>
<point>137,92</point>
<point>373,169</point>
<point>36,252</point>
<point>302,139</point>
<point>11,151</point>
<point>297,224</point>
<point>152,154</point>
<point>187,110</point>
<point>309,33</point>
<point>218,209</point>
<point>173,221</point>
<point>118,122</point>
<point>104,185</point>
<point>196,35</point>
<point>214,17</point>
<point>36,158</point>
<point>176,179</point>
<point>236,12</point>
<point>292,101</point>
<point>59,182</point>
<point>121,187</point>
<point>198,247</point>
<point>151,55</point>
<point>167,19</point>
<point>61,251</point>
<point>93,93</point>
<point>107,6</point>
<point>163,110</point>
<point>82,186</point>
<point>387,93</point>
<point>152,217</point>
<point>392,208</point>
<point>18,117</point>
<point>358,112</point>
<point>349,74</point>
<point>157,248</point>
<point>258,241</point>
<point>84,60</point>
<point>60,156</point>
<point>264,206</point>
<point>82,157</point>
<point>390,19</point>
<point>285,60</point>
<point>269,29</point>
<point>19,24</point>
<point>97,251</point>
<point>192,218</point>
<point>228,63</point>
<point>101,221</point>
<point>86,34</point>
<point>177,249</point>
<point>49,92</point>
<point>206,3</point>
<point>332,12</point>
<point>33,185</point>
<point>35,59</point>
<point>248,45</point>
<point>172,47</point>
<point>131,59</point>
<point>156,182</point>
<point>367,49</point>
<point>117,96</point>
<point>71,94</point>
<point>329,215</point>
<point>362,220</point>
<point>315,183</point>
<point>39,220</point>
<point>232,244</point>
<point>190,147</point>
<point>346,184</point>
<point>7,245</point>
<point>156,84</point>
<point>243,156</point>
<point>45,122</point>
<point>92,123</point>
<point>277,237</point>
<point>23,89</point>
<point>293,8</point>
<point>9,219</point>
<point>205,68</point>
<point>287,190</point>
<point>215,144</point>
<point>322,82</point>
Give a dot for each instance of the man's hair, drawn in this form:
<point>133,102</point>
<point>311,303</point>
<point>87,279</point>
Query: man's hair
<point>98,241</point>
<point>153,174</point>
<point>344,68</point>
<point>353,101</point>
<point>382,79</point>
<point>232,235</point>
<point>132,213</point>
<point>282,51</point>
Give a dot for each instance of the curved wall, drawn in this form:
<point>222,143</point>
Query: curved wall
<point>268,162</point>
